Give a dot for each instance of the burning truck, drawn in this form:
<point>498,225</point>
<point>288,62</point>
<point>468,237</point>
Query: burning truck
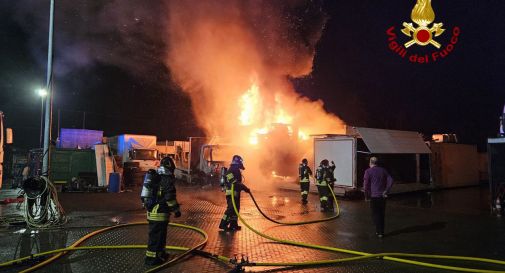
<point>236,61</point>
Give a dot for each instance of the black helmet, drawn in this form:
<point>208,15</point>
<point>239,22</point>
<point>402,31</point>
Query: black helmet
<point>305,161</point>
<point>325,163</point>
<point>167,165</point>
<point>237,160</point>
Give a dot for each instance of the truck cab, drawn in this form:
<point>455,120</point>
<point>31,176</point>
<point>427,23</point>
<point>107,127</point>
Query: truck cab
<point>146,158</point>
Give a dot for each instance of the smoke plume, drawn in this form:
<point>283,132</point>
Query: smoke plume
<point>234,58</point>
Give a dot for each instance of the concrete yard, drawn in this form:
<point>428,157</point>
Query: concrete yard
<point>450,222</point>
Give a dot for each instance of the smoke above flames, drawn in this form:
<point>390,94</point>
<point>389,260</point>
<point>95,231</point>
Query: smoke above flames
<point>235,58</point>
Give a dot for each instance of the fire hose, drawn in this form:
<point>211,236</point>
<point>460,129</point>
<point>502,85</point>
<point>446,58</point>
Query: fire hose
<point>76,246</point>
<point>245,262</point>
<point>364,255</point>
<point>42,208</point>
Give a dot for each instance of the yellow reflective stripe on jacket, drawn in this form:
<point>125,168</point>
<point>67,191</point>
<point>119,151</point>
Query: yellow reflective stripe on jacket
<point>305,193</point>
<point>304,180</point>
<point>172,203</point>
<point>158,216</point>
<point>324,198</point>
<point>321,183</point>
<point>230,176</point>
<point>153,215</point>
<point>228,193</point>
<point>151,254</point>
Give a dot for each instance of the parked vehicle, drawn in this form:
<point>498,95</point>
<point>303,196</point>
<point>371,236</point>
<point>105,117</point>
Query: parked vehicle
<point>140,149</point>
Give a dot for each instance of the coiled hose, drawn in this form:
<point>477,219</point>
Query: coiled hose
<point>41,194</point>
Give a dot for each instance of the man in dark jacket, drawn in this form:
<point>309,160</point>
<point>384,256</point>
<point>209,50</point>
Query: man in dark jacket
<point>377,184</point>
<point>233,176</point>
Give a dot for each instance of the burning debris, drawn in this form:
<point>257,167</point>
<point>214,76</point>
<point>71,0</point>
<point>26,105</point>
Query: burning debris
<point>234,59</point>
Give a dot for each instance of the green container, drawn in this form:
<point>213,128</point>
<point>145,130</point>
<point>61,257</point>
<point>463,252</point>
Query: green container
<point>68,163</point>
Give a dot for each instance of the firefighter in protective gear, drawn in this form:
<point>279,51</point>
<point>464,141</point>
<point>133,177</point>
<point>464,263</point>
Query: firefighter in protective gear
<point>331,183</point>
<point>324,178</point>
<point>159,198</point>
<point>233,176</point>
<point>304,172</point>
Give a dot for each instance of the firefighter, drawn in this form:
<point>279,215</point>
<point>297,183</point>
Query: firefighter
<point>304,172</point>
<point>233,176</point>
<point>322,179</point>
<point>330,178</point>
<point>159,198</point>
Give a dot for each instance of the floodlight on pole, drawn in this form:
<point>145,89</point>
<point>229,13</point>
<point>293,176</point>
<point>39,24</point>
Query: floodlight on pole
<point>42,92</point>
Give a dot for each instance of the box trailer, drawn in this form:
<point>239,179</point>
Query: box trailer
<point>454,165</point>
<point>135,150</point>
<point>403,153</point>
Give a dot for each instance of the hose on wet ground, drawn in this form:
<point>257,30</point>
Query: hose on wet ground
<point>335,216</point>
<point>75,246</point>
<point>246,262</point>
<point>364,255</point>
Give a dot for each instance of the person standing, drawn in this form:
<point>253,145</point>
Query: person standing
<point>159,198</point>
<point>330,178</point>
<point>322,179</point>
<point>233,176</point>
<point>304,172</point>
<point>377,184</point>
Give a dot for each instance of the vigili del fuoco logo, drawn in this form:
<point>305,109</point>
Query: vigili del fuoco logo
<point>422,32</point>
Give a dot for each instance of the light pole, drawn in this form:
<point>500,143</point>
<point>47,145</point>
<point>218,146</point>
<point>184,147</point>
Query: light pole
<point>42,94</point>
<point>49,87</point>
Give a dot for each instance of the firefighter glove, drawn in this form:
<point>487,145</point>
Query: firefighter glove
<point>177,214</point>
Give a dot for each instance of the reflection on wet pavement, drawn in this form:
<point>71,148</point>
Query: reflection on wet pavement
<point>454,222</point>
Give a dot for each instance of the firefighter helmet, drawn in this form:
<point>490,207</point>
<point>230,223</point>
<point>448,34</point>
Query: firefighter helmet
<point>167,166</point>
<point>237,160</point>
<point>305,162</point>
<point>325,163</point>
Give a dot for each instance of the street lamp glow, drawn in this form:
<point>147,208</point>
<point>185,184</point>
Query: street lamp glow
<point>42,92</point>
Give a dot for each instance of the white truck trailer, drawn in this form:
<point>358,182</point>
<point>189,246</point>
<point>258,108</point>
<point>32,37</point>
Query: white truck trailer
<point>135,150</point>
<point>403,153</point>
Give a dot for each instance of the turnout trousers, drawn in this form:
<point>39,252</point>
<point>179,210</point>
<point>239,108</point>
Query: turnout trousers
<point>304,189</point>
<point>230,218</point>
<point>158,222</point>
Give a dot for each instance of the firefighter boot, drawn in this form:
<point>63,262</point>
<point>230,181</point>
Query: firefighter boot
<point>234,225</point>
<point>224,224</point>
<point>304,199</point>
<point>160,258</point>
<point>324,206</point>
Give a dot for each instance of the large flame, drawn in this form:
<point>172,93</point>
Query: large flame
<point>234,59</point>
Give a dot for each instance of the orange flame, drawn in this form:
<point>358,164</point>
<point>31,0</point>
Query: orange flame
<point>215,47</point>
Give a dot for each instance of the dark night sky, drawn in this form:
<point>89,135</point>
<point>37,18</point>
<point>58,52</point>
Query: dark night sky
<point>355,73</point>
